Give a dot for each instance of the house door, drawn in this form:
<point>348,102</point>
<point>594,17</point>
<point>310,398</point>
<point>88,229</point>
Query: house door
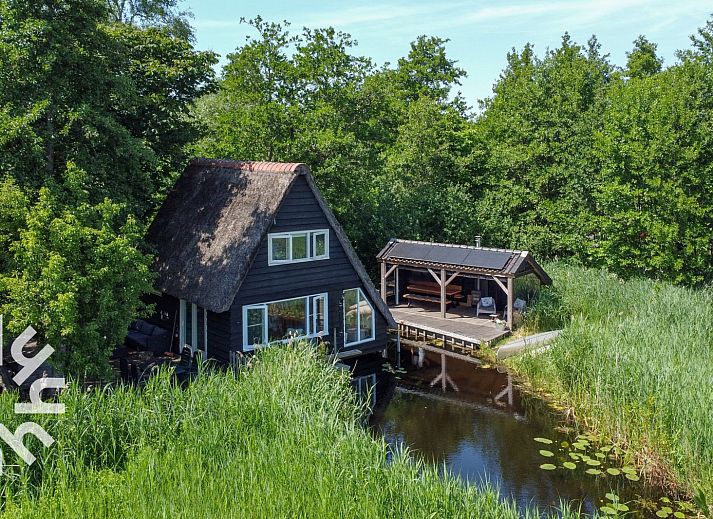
<point>193,328</point>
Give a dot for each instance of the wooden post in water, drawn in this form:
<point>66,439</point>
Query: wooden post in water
<point>443,372</point>
<point>510,299</point>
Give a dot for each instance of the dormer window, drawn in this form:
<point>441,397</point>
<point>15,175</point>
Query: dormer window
<point>295,247</point>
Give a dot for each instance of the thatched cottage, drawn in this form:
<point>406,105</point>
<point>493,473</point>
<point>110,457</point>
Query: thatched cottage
<point>249,254</point>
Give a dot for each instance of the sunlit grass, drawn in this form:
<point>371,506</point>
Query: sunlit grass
<point>280,440</point>
<point>636,361</point>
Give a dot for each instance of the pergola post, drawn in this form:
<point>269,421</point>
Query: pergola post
<point>443,293</point>
<point>510,294</point>
<point>383,281</point>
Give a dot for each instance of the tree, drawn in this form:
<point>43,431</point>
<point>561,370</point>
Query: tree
<point>95,94</point>
<point>152,13</point>
<point>642,61</point>
<point>427,71</point>
<point>79,272</point>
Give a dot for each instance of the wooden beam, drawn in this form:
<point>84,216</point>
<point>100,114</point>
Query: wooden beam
<point>396,287</point>
<point>510,294</point>
<point>450,279</point>
<point>443,296</point>
<point>383,282</point>
<point>388,272</point>
<point>500,283</point>
<point>435,276</point>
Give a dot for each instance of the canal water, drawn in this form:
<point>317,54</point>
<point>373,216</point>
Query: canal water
<point>479,439</point>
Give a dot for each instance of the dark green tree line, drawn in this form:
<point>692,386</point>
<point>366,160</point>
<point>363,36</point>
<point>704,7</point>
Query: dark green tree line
<point>93,125</point>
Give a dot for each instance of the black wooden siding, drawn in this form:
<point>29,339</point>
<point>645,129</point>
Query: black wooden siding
<point>301,212</point>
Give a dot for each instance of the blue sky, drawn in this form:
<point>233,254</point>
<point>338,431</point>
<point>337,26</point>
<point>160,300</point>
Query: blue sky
<point>481,32</point>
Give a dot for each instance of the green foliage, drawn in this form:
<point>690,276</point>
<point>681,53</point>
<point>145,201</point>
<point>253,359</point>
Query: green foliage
<point>93,125</point>
<point>110,98</point>
<point>78,273</point>
<point>632,362</point>
<point>643,61</point>
<point>280,439</point>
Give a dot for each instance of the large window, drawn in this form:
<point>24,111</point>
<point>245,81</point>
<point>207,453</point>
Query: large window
<point>293,247</point>
<point>358,317</point>
<point>278,321</point>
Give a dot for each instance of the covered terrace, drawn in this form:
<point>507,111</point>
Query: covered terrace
<point>441,288</point>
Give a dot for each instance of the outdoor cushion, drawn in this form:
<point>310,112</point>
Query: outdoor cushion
<point>487,302</point>
<point>145,327</point>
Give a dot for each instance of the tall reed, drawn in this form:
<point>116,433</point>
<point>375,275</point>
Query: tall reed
<point>281,439</point>
<point>636,360</point>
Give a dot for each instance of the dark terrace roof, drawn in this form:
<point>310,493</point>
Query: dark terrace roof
<point>463,258</point>
<point>211,224</point>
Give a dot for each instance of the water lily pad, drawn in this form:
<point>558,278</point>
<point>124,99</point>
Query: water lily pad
<point>664,499</point>
<point>679,515</point>
<point>661,513</point>
<point>573,455</point>
<point>579,446</point>
<point>611,497</point>
<point>628,470</point>
<point>594,472</point>
<point>544,440</point>
<point>593,463</point>
<point>564,445</point>
<point>622,507</point>
<point>606,448</point>
<point>569,465</point>
<point>632,477</point>
<point>608,510</point>
<point>547,466</point>
<point>613,471</point>
<point>546,454</point>
<point>600,455</point>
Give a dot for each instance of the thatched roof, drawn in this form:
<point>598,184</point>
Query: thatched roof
<point>211,224</point>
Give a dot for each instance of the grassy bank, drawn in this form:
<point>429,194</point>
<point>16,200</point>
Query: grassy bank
<point>280,440</point>
<point>635,362</point>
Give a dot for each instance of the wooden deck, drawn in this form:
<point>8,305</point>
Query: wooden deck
<point>461,328</point>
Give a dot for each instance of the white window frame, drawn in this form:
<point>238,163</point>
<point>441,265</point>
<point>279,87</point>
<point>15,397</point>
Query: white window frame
<point>310,320</point>
<point>311,246</point>
<point>344,319</point>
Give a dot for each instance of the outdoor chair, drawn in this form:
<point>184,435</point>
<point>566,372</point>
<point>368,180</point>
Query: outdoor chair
<point>124,369</point>
<point>187,366</point>
<point>486,305</point>
<point>518,305</point>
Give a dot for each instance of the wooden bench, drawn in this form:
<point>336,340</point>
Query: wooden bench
<point>431,293</point>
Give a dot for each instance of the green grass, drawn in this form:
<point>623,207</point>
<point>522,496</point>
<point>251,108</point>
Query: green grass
<point>280,440</point>
<point>636,362</point>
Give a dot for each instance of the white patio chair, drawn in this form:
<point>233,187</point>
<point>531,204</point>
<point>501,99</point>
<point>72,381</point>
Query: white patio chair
<point>518,305</point>
<point>486,305</point>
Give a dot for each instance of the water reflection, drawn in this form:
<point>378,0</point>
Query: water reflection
<point>477,440</point>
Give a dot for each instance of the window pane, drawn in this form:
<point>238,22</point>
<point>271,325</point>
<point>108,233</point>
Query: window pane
<point>351,315</point>
<point>320,244</point>
<point>280,251</point>
<point>286,319</point>
<point>365,319</point>
<point>319,323</point>
<point>255,329</point>
<point>299,246</point>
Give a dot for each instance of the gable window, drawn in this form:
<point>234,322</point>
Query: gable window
<point>358,317</point>
<point>293,247</point>
<point>280,321</point>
